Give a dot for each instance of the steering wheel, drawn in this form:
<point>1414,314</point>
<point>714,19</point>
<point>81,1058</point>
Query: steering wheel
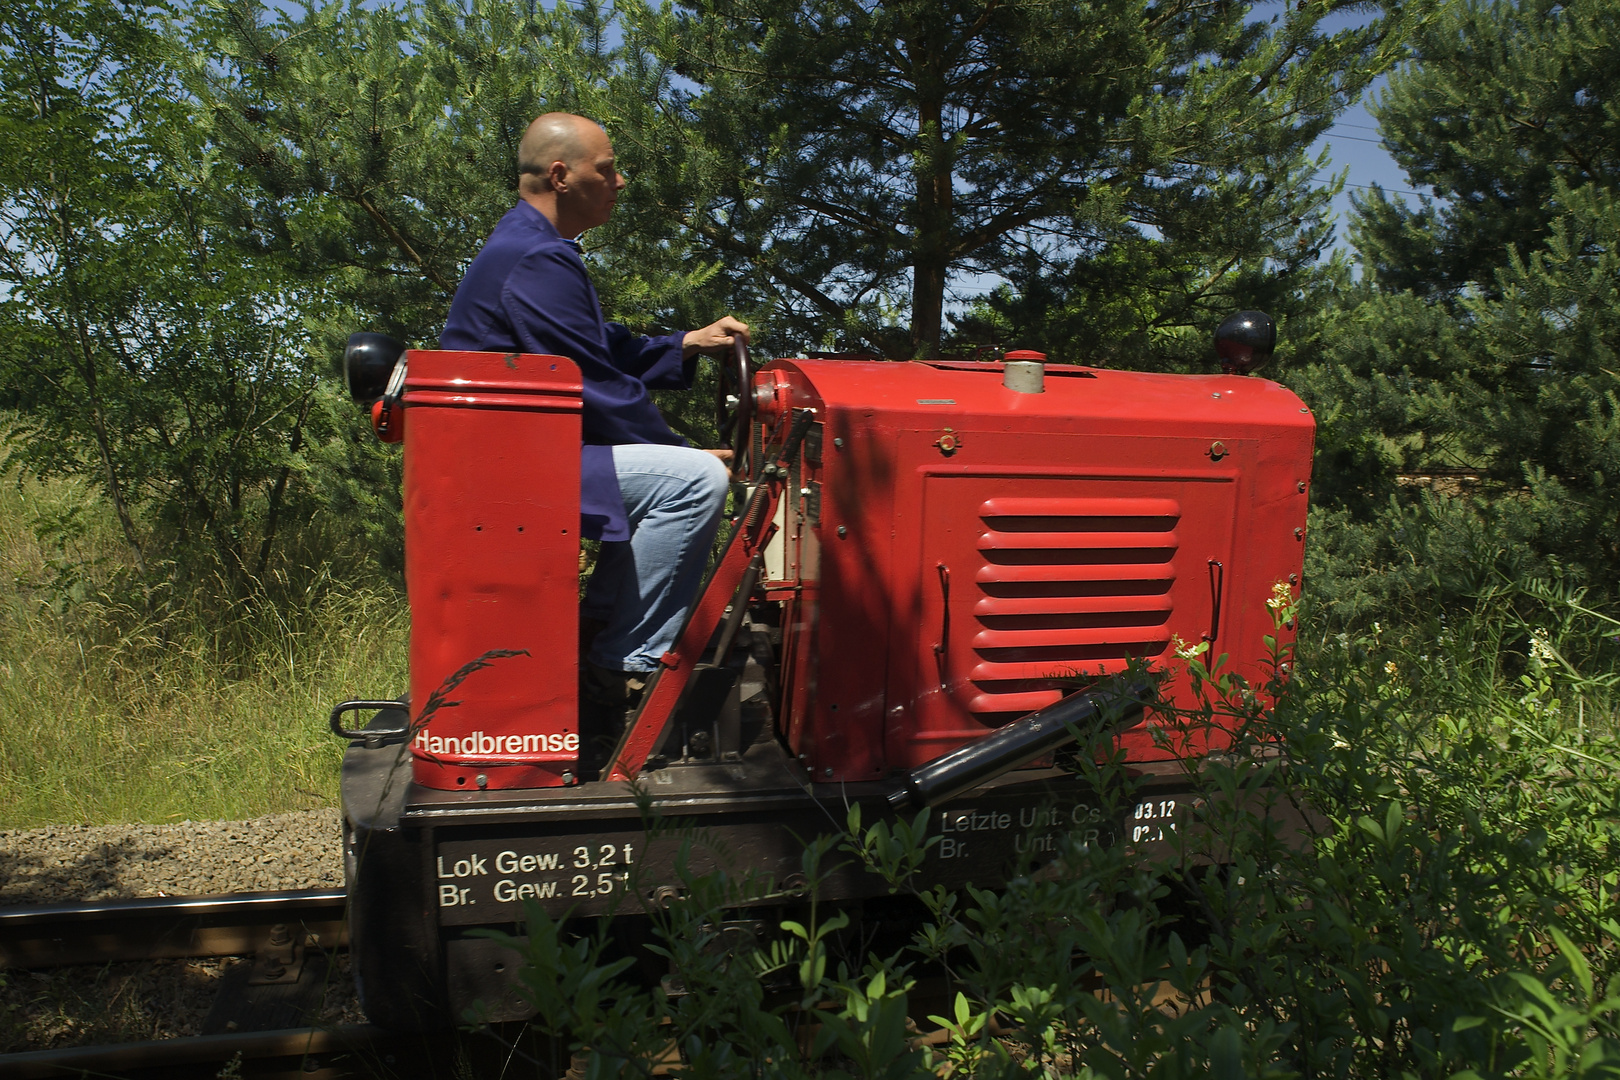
<point>734,409</point>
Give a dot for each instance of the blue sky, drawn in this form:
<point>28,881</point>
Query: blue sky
<point>1354,144</point>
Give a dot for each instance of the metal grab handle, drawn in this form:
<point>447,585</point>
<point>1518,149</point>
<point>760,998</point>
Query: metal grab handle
<point>1102,712</point>
<point>739,607</point>
<point>372,739</point>
<point>1217,584</point>
<point>944,625</point>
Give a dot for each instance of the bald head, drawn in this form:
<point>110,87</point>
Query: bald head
<point>552,137</point>
<point>567,171</point>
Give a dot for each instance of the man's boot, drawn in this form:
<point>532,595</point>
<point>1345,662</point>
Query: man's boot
<point>588,629</point>
<point>607,699</point>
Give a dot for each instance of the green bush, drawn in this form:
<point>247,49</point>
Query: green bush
<point>1451,909</point>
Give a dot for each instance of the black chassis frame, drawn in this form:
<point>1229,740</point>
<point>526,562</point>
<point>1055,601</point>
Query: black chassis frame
<point>426,868</point>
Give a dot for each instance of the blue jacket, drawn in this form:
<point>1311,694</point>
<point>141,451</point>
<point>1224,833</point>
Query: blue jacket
<point>527,291</point>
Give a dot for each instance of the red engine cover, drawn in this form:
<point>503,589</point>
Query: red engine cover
<point>959,551</point>
<point>492,563</point>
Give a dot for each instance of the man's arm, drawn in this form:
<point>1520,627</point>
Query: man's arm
<point>656,361</point>
<point>659,362</point>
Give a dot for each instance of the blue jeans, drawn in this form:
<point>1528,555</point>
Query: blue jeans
<point>642,587</point>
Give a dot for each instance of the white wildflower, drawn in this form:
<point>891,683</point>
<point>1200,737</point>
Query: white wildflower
<point>1184,651</point>
<point>1541,650</point>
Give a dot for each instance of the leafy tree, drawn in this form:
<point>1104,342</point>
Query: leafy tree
<point>142,346</point>
<point>64,75</point>
<point>383,143</point>
<point>1476,361</point>
<point>1124,165</point>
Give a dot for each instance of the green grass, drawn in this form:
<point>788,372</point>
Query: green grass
<point>116,706</point>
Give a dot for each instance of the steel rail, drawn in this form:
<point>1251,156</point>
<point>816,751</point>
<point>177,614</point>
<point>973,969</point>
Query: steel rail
<point>166,927</point>
<point>203,1055</point>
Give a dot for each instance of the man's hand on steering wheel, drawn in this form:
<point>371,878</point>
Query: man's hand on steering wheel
<point>716,336</point>
<point>733,412</point>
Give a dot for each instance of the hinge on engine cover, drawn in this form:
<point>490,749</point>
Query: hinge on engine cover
<point>812,444</point>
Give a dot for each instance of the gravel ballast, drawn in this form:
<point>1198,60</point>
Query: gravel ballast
<point>64,863</point>
<point>113,1003</point>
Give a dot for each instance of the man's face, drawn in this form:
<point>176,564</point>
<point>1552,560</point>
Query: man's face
<point>593,182</point>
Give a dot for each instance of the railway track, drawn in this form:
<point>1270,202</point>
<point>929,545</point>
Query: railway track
<point>167,927</point>
<point>258,1024</point>
<point>291,937</point>
<point>353,1050</point>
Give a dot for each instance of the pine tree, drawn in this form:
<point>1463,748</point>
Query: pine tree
<point>1548,335</point>
<point>1501,102</point>
<point>1128,166</point>
<point>378,147</point>
<point>1480,348</point>
<point>381,143</point>
<point>828,170</point>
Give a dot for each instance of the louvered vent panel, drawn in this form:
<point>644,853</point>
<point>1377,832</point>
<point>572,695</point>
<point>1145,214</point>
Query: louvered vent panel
<point>1064,584</point>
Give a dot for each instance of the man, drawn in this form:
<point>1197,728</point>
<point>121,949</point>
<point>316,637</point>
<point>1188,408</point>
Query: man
<point>653,501</point>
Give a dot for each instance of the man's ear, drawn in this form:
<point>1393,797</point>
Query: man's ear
<point>558,172</point>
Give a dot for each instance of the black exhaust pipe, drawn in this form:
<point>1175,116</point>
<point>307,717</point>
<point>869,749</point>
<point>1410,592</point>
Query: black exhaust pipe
<point>1011,745</point>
